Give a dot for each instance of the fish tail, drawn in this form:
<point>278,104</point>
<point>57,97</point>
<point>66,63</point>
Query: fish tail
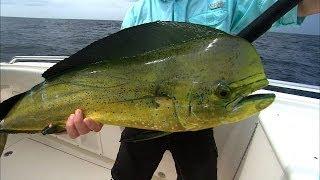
<point>3,140</point>
<point>7,105</point>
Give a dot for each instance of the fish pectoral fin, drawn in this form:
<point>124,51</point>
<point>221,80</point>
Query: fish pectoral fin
<point>164,98</point>
<point>163,101</point>
<point>53,128</point>
<point>144,136</point>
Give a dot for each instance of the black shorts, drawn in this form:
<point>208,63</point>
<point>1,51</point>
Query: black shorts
<point>194,153</point>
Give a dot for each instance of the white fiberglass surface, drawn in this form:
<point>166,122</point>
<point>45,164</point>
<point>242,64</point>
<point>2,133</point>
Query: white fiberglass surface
<point>292,127</point>
<point>31,160</point>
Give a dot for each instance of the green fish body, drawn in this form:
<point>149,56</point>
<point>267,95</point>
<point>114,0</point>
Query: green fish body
<point>162,76</point>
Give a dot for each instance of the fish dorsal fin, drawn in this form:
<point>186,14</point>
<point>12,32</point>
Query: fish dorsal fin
<point>132,41</point>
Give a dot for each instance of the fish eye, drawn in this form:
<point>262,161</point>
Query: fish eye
<point>223,91</point>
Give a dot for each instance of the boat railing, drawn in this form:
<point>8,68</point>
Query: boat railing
<point>48,59</point>
<point>294,88</point>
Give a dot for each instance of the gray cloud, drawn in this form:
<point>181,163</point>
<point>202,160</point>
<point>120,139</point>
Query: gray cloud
<point>25,2</point>
<point>9,2</point>
<point>36,3</point>
<point>66,9</point>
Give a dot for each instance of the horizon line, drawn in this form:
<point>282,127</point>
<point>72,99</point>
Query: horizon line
<point>91,19</point>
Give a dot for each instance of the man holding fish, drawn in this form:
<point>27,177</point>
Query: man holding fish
<point>178,80</point>
<point>194,153</point>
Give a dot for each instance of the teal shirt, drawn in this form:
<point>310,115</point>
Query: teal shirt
<point>230,16</point>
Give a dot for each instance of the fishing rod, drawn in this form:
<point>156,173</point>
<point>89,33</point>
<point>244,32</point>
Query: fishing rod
<point>264,22</point>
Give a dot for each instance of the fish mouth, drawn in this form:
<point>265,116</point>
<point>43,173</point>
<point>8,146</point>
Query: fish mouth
<point>262,100</point>
<point>246,97</point>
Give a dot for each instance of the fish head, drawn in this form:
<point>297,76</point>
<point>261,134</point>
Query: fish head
<point>226,103</point>
<point>222,92</point>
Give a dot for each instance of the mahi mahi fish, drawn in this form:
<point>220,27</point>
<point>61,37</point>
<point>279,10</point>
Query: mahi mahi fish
<point>162,76</point>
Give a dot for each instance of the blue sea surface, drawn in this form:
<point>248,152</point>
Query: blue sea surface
<point>287,57</point>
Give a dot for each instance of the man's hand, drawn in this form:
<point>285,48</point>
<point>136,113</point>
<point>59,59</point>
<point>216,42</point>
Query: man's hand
<point>308,7</point>
<point>77,126</point>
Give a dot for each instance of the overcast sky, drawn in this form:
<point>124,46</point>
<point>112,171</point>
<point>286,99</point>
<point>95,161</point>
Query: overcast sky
<point>103,9</point>
<point>66,9</point>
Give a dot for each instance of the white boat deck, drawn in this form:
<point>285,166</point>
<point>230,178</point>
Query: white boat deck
<point>290,129</point>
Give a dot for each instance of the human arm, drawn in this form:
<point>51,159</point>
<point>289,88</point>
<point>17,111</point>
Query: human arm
<point>308,7</point>
<point>77,125</point>
<point>246,11</point>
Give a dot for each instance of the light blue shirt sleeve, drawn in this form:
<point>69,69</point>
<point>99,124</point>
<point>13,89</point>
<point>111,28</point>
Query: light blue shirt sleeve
<point>230,16</point>
<point>129,18</point>
<point>248,10</point>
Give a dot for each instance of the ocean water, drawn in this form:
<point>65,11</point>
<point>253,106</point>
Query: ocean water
<point>287,57</point>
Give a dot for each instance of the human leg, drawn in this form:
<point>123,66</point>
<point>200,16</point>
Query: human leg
<point>195,155</point>
<point>138,160</point>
